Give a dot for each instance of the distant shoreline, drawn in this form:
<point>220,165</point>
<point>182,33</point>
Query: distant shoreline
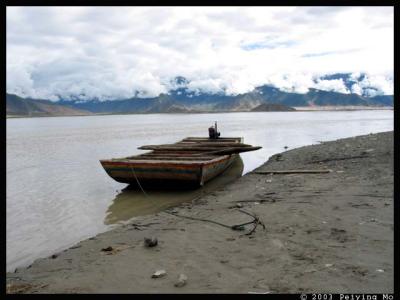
<point>341,108</point>
<point>298,109</point>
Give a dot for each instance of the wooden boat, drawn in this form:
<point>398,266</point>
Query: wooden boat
<point>190,162</point>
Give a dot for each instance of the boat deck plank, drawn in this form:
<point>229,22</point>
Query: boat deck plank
<point>173,158</point>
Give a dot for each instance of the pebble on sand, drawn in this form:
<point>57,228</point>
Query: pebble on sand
<point>159,273</point>
<point>150,242</point>
<point>181,280</point>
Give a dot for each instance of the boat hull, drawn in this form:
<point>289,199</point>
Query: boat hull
<point>213,169</point>
<point>161,173</point>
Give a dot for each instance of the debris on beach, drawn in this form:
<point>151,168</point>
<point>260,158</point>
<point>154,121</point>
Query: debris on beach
<point>159,273</point>
<point>312,270</point>
<point>17,288</point>
<point>113,250</point>
<point>328,265</point>
<point>13,288</point>
<point>181,280</point>
<point>224,261</point>
<point>107,249</point>
<point>150,242</point>
<point>293,172</point>
<point>367,151</point>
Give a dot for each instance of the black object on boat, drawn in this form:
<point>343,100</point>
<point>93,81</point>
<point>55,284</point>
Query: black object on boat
<point>213,132</point>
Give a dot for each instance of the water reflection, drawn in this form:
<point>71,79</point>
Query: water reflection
<point>132,202</point>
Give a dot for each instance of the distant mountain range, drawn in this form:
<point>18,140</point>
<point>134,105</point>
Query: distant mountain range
<point>21,107</point>
<point>182,100</point>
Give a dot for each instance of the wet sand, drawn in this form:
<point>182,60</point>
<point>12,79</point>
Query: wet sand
<point>327,232</point>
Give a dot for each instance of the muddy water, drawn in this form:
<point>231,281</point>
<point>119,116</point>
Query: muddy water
<point>58,193</point>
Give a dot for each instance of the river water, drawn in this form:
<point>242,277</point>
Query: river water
<point>59,194</point>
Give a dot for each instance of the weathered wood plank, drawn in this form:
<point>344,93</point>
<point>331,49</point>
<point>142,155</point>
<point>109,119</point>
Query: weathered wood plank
<point>166,154</point>
<point>173,158</point>
<point>206,138</point>
<point>212,144</point>
<point>231,151</point>
<point>195,146</point>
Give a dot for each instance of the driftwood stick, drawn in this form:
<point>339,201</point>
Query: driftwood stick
<point>293,172</point>
<point>144,225</point>
<point>268,199</point>
<point>339,158</point>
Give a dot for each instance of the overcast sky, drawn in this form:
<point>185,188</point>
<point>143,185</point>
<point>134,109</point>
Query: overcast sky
<point>115,52</point>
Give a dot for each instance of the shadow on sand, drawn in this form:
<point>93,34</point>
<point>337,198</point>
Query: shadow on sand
<point>132,202</point>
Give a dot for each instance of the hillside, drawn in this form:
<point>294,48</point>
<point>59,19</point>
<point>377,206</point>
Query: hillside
<point>272,107</point>
<point>17,106</point>
<point>183,100</point>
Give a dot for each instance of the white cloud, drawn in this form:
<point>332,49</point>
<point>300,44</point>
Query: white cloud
<point>383,84</point>
<point>356,89</point>
<point>119,52</point>
<point>292,82</point>
<point>336,85</point>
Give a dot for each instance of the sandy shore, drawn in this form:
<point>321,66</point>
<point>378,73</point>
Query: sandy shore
<point>328,232</point>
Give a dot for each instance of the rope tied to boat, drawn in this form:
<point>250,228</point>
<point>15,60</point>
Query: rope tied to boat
<point>238,227</point>
<point>137,180</point>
